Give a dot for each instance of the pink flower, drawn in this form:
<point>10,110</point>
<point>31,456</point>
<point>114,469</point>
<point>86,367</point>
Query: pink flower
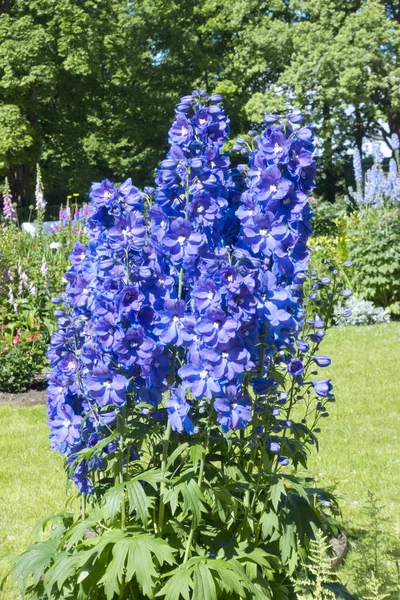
<point>17,338</point>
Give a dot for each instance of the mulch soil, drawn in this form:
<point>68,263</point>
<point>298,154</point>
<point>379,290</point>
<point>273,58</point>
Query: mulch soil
<point>37,394</point>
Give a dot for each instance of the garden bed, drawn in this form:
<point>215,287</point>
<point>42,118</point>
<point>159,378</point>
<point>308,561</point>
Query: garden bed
<point>35,395</point>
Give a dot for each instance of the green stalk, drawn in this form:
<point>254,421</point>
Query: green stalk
<point>250,467</point>
<point>291,400</point>
<point>161,510</point>
<point>121,424</point>
<point>83,506</point>
<point>193,525</point>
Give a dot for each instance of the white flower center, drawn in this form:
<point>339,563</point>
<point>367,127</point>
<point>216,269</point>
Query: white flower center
<point>181,239</point>
<point>210,295</point>
<point>66,423</point>
<point>202,120</point>
<point>203,374</point>
<point>200,208</point>
<point>277,148</point>
<point>224,355</point>
<point>263,231</point>
<point>184,130</point>
<point>273,188</point>
<point>175,318</point>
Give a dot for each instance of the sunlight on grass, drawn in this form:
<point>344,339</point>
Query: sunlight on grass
<point>32,481</point>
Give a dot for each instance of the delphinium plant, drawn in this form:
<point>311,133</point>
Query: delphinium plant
<point>182,390</point>
<point>373,231</point>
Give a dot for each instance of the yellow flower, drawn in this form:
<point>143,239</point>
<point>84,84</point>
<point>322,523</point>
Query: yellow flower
<point>68,197</point>
<point>75,194</point>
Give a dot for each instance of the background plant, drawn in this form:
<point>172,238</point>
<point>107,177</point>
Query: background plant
<point>32,269</point>
<point>373,234</point>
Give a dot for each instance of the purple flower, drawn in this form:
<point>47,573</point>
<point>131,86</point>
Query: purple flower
<point>171,323</point>
<point>178,409</point>
<point>181,131</point>
<point>135,347</point>
<point>227,360</point>
<point>182,242</point>
<point>274,146</point>
<point>205,295</point>
<point>323,387</point>
<point>321,361</point>
<point>216,327</point>
<point>66,425</point>
<point>296,367</point>
<point>233,410</point>
<point>198,378</point>
<point>106,386</point>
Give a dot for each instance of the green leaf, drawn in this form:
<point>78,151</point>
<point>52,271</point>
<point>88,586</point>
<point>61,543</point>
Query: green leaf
<point>138,501</point>
<point>193,500</point>
<point>116,568</point>
<point>35,560</point>
<point>203,584</point>
<point>62,569</point>
<point>177,452</point>
<point>276,491</point>
<point>177,586</point>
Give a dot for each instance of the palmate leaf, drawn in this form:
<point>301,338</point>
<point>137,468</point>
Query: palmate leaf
<point>35,560</point>
<point>178,586</point>
<point>192,500</point>
<point>133,557</point>
<point>136,494</point>
<point>203,584</point>
<point>77,531</point>
<point>203,578</point>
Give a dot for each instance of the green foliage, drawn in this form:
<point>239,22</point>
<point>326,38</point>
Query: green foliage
<point>325,220</point>
<point>374,248</point>
<point>90,86</point>
<point>372,563</point>
<point>211,520</point>
<point>19,363</point>
<point>321,583</point>
<point>32,270</point>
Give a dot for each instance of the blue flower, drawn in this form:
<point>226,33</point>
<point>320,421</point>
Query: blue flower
<point>233,410</point>
<point>106,386</point>
<point>178,409</point>
<point>323,387</point>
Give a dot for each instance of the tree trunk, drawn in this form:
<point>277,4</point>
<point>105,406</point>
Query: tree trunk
<point>19,177</point>
<point>5,7</point>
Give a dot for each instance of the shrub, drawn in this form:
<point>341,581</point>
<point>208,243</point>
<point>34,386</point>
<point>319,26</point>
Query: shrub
<point>374,248</point>
<point>357,311</point>
<point>325,216</point>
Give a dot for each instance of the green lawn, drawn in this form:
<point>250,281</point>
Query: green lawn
<point>360,448</point>
<point>32,480</point>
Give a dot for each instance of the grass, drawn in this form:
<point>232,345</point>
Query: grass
<point>359,451</point>
<point>360,442</point>
<point>32,481</point>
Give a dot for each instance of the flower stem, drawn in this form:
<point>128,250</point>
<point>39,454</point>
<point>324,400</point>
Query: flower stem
<point>193,525</point>
<point>161,510</point>
<point>121,425</point>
